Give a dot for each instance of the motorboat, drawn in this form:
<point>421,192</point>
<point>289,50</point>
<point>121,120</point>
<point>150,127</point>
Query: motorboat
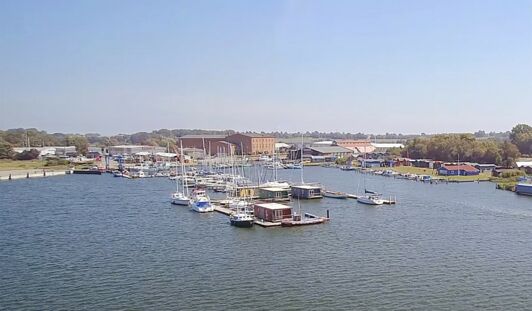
<point>241,218</point>
<point>334,194</point>
<point>201,203</point>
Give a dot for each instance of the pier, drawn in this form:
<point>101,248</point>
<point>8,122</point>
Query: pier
<point>23,174</point>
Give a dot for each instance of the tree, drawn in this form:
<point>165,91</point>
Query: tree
<point>510,153</point>
<point>80,142</point>
<point>521,136</point>
<point>394,151</point>
<point>6,150</point>
<point>31,154</point>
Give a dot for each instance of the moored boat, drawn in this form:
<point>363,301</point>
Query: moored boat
<point>179,198</point>
<point>373,199</point>
<point>334,194</point>
<point>201,203</point>
<point>241,219</point>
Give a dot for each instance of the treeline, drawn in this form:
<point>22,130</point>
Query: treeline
<point>468,148</point>
<point>479,147</point>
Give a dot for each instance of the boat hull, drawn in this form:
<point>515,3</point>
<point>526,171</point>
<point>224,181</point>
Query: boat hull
<point>242,223</point>
<point>182,202</point>
<point>334,195</point>
<point>202,209</point>
<point>303,222</point>
<point>369,201</point>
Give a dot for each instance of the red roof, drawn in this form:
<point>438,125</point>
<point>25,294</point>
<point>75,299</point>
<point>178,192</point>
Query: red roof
<point>463,167</point>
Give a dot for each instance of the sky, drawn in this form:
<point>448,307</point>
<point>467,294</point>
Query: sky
<point>350,66</point>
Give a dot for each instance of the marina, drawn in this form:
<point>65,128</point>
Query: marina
<point>266,155</point>
<point>129,230</point>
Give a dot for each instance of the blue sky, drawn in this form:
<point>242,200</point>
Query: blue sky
<point>355,66</point>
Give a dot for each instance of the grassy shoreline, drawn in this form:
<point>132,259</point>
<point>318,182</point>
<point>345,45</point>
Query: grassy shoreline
<point>15,165</point>
<point>486,176</point>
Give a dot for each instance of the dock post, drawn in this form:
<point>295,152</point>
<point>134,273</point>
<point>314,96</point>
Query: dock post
<point>328,214</point>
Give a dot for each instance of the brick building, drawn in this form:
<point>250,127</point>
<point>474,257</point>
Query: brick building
<point>252,143</point>
<point>212,144</point>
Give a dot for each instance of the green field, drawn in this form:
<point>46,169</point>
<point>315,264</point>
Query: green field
<point>11,165</point>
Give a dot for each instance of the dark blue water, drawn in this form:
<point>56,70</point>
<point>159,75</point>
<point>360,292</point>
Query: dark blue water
<point>100,243</point>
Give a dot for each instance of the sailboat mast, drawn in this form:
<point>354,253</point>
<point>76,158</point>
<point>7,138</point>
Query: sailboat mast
<point>301,160</point>
<point>183,174</point>
<point>176,175</point>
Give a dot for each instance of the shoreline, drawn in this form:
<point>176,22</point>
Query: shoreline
<point>7,175</point>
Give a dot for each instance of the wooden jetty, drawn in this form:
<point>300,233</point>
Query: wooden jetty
<point>222,210</point>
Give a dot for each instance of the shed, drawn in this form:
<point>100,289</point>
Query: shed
<point>371,162</point>
<point>306,191</point>
<point>272,212</point>
<point>486,167</point>
<point>274,194</point>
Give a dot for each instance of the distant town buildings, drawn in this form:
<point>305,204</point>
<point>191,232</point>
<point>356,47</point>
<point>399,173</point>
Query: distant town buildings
<point>133,149</point>
<point>52,151</point>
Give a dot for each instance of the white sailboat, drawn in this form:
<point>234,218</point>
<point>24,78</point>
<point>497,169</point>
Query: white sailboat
<point>369,197</point>
<point>178,197</point>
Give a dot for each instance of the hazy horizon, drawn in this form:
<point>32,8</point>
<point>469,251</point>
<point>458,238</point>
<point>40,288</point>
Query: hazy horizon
<point>331,66</point>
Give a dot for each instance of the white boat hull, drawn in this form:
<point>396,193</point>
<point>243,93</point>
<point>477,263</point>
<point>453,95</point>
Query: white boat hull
<point>202,204</point>
<point>370,201</point>
<point>334,195</point>
<point>202,209</point>
<point>183,202</point>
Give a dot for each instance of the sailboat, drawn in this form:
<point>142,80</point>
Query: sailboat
<point>305,190</point>
<point>369,197</point>
<point>178,197</point>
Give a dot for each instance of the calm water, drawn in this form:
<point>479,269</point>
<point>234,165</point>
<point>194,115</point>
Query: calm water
<point>99,243</point>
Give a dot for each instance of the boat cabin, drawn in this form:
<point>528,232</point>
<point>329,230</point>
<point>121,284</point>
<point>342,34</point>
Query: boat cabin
<point>272,212</point>
<point>306,192</point>
<point>275,194</point>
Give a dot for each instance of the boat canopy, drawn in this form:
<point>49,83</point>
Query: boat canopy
<point>142,153</point>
